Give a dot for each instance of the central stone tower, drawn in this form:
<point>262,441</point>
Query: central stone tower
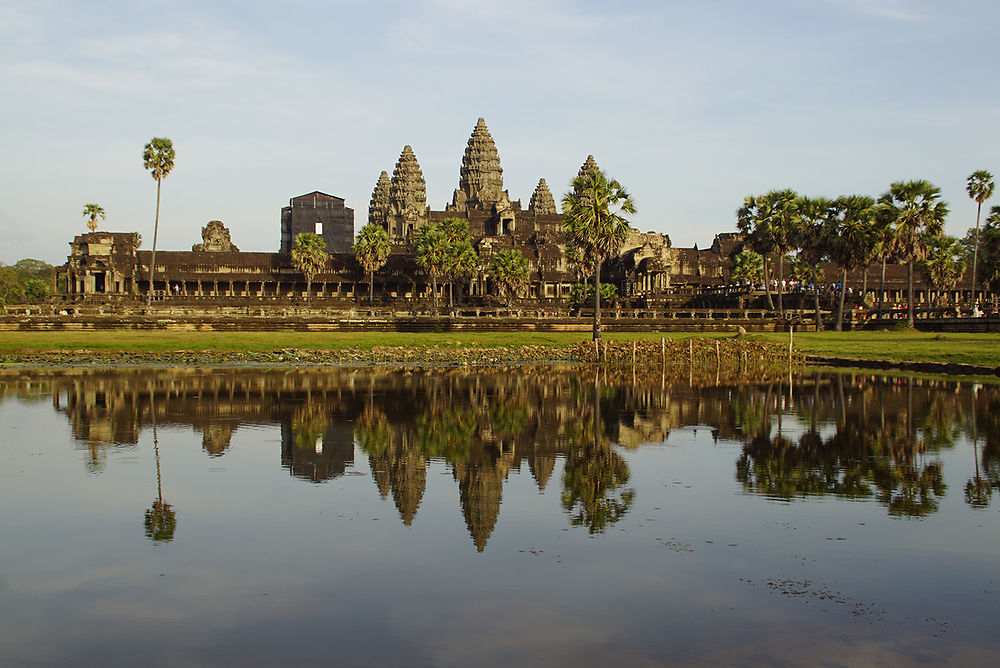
<point>480,181</point>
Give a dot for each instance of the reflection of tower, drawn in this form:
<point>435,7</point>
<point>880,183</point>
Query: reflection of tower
<point>408,474</point>
<point>480,487</point>
<point>321,459</point>
<point>541,466</point>
<point>402,471</point>
<point>215,438</point>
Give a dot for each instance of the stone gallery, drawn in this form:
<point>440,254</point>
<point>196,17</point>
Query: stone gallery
<point>108,266</point>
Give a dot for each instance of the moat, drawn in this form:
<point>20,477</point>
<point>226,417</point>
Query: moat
<point>540,516</point>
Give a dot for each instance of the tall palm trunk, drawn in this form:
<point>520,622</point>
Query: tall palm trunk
<point>451,294</point>
<point>975,256</point>
<point>781,278</point>
<point>152,261</point>
<point>371,288</point>
<point>910,316</point>
<point>839,325</point>
<point>597,299</point>
<point>819,318</point>
<point>881,290</point>
<point>864,283</point>
<point>767,286</point>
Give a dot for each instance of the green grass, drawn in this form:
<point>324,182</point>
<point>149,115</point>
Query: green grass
<point>897,345</point>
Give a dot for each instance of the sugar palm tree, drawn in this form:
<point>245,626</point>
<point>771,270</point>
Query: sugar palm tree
<point>595,224</point>
<point>309,256</point>
<point>431,247</point>
<point>852,240</point>
<point>812,236</point>
<point>781,217</point>
<point>158,157</point>
<point>980,189</point>
<point>456,231</point>
<point>372,251</point>
<point>753,224</point>
<point>460,262</point>
<point>917,214</point>
<point>943,265</point>
<point>509,271</point>
<point>92,212</point>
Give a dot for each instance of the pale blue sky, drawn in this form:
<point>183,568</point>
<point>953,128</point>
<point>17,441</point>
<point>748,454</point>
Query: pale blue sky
<point>691,104</point>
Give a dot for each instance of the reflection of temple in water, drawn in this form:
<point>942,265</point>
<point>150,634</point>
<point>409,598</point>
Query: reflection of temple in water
<point>859,436</point>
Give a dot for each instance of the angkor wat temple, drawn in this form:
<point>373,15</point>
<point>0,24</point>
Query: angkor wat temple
<point>648,272</point>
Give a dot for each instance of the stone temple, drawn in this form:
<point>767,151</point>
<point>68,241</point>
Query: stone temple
<point>108,267</point>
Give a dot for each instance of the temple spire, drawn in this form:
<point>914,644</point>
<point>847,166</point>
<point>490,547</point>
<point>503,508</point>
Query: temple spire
<point>542,200</point>
<point>480,182</point>
<point>407,196</point>
<point>378,208</point>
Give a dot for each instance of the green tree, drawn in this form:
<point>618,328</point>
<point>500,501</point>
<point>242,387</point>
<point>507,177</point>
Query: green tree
<point>943,263</point>
<point>92,212</point>
<point>430,244</point>
<point>782,220</point>
<point>372,251</point>
<point>752,222</point>
<point>989,267</point>
<point>917,214</point>
<point>309,256</point>
<point>980,189</point>
<point>509,271</point>
<point>157,157</point>
<point>748,266</point>
<point>813,238</point>
<point>595,224</point>
<point>852,238</point>
<point>461,259</point>
<point>460,262</point>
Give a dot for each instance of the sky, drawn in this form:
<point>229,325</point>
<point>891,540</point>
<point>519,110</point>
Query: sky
<point>692,105</point>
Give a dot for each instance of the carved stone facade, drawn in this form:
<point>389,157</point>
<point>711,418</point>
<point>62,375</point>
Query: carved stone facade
<point>215,239</point>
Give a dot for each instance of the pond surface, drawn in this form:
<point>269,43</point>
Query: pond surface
<point>538,517</point>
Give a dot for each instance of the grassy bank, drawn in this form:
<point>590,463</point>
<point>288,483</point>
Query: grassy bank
<point>896,345</point>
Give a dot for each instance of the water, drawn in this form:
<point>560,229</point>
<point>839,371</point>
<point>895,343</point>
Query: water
<point>257,517</point>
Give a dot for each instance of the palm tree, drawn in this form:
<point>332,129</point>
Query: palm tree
<point>781,218</point>
<point>980,189</point>
<point>509,271</point>
<point>309,256</point>
<point>93,212</point>
<point>431,247</point>
<point>461,261</point>
<point>917,214</point>
<point>158,157</point>
<point>456,231</point>
<point>943,265</point>
<point>812,236</point>
<point>371,251</point>
<point>594,223</point>
<point>752,223</point>
<point>748,266</point>
<point>852,239</point>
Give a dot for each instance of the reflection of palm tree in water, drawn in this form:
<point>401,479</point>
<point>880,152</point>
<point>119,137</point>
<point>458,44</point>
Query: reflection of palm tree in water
<point>160,521</point>
<point>978,490</point>
<point>595,476</point>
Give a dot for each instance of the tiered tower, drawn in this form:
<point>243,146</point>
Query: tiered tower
<point>407,197</point>
<point>541,199</point>
<point>378,208</point>
<point>480,180</point>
